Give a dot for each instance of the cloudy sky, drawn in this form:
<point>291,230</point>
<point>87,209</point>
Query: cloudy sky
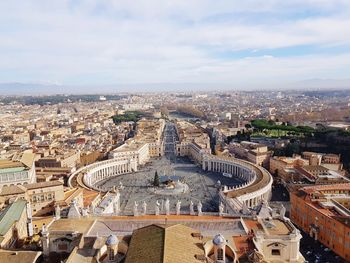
<point>229,43</point>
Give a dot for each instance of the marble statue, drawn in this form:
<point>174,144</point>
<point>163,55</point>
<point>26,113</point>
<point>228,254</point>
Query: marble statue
<point>144,208</point>
<point>57,212</point>
<point>178,207</point>
<point>157,208</point>
<point>167,207</point>
<point>84,212</point>
<point>282,211</point>
<point>162,206</point>
<point>191,208</point>
<point>199,208</point>
<point>92,209</point>
<point>136,213</point>
<point>74,209</point>
<point>245,209</point>
<point>116,208</point>
<point>44,229</point>
<point>221,209</point>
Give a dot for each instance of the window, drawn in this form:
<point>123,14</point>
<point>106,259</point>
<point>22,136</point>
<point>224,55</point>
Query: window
<point>220,254</point>
<point>62,246</point>
<point>111,254</point>
<point>275,252</point>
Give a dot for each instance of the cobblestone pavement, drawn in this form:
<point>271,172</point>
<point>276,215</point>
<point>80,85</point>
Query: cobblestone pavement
<point>137,186</point>
<point>315,252</point>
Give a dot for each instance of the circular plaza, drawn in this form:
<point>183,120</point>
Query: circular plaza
<point>180,179</point>
<point>176,183</point>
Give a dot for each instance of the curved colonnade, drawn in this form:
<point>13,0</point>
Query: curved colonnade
<point>257,185</point>
<point>89,175</point>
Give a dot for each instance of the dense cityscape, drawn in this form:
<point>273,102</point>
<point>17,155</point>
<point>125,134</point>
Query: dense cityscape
<point>163,131</point>
<point>221,176</point>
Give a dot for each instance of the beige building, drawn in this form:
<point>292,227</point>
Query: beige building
<point>132,149</point>
<point>13,223</point>
<point>143,240</point>
<point>147,143</point>
<point>285,167</point>
<point>330,161</point>
<point>45,174</point>
<point>313,167</point>
<point>319,174</point>
<point>42,196</point>
<point>151,132</point>
<point>277,240</point>
<point>18,172</point>
<point>21,138</point>
<point>193,141</point>
<point>67,159</point>
<point>253,152</point>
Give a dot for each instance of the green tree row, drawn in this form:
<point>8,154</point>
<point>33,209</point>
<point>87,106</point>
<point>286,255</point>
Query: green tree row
<point>261,125</point>
<point>127,116</point>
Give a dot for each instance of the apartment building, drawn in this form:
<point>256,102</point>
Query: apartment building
<point>323,211</point>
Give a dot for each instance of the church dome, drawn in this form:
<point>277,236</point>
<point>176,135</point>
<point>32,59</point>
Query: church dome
<point>112,240</point>
<point>219,240</point>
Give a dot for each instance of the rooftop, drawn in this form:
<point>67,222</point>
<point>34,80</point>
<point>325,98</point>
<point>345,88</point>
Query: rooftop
<point>160,243</point>
<point>10,215</point>
<point>8,166</point>
<point>19,256</point>
<point>12,190</point>
<point>72,225</point>
<point>43,184</point>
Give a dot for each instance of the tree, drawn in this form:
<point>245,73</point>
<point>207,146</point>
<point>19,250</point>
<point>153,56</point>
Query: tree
<point>156,179</point>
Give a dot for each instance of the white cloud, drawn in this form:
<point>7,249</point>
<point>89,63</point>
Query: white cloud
<point>169,41</point>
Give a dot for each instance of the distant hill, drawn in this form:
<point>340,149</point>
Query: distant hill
<point>324,84</point>
<point>51,89</point>
<point>30,89</point>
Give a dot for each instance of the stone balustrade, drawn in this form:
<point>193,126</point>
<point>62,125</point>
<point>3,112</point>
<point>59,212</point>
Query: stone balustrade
<point>93,173</point>
<point>257,181</point>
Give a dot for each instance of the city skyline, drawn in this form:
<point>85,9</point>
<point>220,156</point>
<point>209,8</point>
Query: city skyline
<point>78,46</point>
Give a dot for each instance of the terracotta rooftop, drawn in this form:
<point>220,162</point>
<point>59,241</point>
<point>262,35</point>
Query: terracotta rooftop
<point>331,187</point>
<point>71,225</point>
<point>89,196</point>
<point>43,184</point>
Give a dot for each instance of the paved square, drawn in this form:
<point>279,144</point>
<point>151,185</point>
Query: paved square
<point>138,186</point>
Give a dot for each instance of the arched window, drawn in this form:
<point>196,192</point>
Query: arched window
<point>111,254</point>
<point>220,254</point>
